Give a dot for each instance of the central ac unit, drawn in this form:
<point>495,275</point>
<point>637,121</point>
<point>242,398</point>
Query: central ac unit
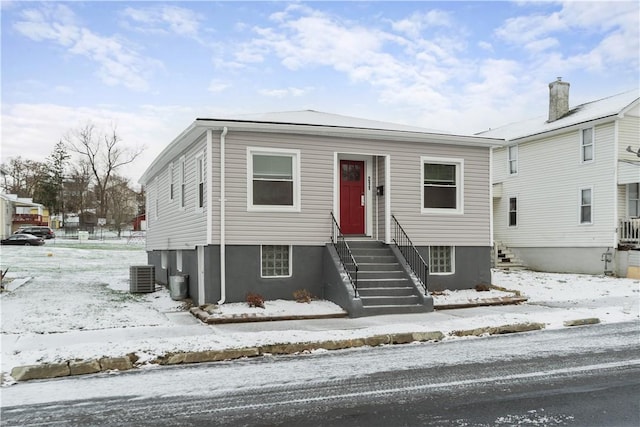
<point>142,279</point>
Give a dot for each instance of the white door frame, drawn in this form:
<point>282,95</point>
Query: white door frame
<point>369,187</point>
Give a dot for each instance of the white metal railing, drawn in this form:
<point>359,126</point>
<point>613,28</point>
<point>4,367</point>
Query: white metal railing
<point>629,231</point>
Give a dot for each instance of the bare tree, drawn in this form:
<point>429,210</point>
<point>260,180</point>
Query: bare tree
<point>104,154</point>
<point>122,203</point>
<point>77,194</point>
<point>24,176</point>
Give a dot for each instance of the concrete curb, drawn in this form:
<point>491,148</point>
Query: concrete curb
<point>483,303</point>
<point>212,319</point>
<point>499,330</point>
<point>128,362</point>
<point>582,322</point>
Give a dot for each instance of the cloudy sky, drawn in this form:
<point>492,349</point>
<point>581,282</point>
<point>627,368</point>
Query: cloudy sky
<point>150,68</point>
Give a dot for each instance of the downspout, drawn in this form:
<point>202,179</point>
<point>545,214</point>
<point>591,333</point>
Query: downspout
<point>223,255</point>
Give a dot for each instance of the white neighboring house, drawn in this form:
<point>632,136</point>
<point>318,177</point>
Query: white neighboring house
<point>566,189</point>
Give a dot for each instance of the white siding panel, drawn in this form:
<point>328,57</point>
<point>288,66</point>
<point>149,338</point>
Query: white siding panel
<point>628,135</point>
<point>549,178</point>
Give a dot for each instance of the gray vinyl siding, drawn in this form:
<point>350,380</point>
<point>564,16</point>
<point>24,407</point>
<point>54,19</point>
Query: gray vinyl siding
<point>472,228</point>
<point>550,176</point>
<point>311,225</point>
<point>176,227</point>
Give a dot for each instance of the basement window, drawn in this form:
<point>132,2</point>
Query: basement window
<point>441,260</point>
<point>275,261</point>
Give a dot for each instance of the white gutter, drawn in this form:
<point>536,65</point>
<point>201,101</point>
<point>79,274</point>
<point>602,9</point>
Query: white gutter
<point>387,200</point>
<point>223,255</point>
<point>616,156</point>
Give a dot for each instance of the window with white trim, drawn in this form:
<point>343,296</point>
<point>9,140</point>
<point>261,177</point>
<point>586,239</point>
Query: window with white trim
<point>441,260</point>
<point>273,180</point>
<point>586,145</point>
<point>442,185</point>
<point>586,205</point>
<point>182,182</point>
<point>200,182</point>
<point>171,182</point>
<point>513,159</point>
<point>513,211</point>
<point>275,261</point>
<point>633,200</point>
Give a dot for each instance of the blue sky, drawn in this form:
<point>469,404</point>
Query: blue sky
<point>150,68</point>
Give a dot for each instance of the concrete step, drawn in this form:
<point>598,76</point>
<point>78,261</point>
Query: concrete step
<point>375,259</point>
<point>371,252</point>
<point>379,266</point>
<point>386,291</point>
<point>371,244</point>
<point>377,274</point>
<point>389,300</point>
<point>400,282</point>
<point>510,266</point>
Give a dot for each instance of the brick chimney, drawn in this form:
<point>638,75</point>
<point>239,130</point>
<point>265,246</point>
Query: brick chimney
<point>558,99</point>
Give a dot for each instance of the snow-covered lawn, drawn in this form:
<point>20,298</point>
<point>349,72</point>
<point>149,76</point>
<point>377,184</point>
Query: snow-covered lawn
<point>77,304</point>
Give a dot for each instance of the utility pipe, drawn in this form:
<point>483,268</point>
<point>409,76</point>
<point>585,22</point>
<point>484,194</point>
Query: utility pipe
<point>223,255</point>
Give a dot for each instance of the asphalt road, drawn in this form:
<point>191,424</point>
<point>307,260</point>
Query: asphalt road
<point>587,376</point>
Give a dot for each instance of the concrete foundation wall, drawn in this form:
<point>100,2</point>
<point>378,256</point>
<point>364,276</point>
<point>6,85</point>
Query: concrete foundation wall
<point>472,267</point>
<point>572,260</point>
<point>243,274</point>
<point>312,270</point>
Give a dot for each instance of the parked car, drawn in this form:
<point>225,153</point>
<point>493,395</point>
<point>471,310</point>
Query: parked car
<point>37,230</point>
<point>23,239</point>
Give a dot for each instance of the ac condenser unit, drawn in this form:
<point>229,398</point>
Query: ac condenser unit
<point>142,279</point>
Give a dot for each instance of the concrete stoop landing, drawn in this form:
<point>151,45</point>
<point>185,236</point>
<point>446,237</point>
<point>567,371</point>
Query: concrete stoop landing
<point>384,285</point>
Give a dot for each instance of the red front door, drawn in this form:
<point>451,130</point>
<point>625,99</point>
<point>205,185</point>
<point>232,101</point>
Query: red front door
<point>352,197</point>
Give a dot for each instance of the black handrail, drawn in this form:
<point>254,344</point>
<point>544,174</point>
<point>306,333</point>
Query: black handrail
<point>410,253</point>
<point>344,253</point>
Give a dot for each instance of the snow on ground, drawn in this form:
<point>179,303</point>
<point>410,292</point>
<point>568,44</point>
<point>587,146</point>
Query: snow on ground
<point>276,308</point>
<point>77,304</point>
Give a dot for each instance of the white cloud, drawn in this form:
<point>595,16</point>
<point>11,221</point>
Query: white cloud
<point>402,70</point>
<point>526,29</point>
<point>542,44</point>
<point>163,20</point>
<point>286,92</point>
<point>414,25</point>
<point>118,64</point>
<point>616,23</point>
<point>217,86</point>
<point>485,46</point>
